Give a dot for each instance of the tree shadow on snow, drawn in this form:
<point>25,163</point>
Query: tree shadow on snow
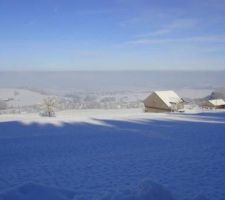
<point>186,156</point>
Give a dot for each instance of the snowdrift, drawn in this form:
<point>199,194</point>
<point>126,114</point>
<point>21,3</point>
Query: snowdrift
<point>146,190</point>
<point>32,191</point>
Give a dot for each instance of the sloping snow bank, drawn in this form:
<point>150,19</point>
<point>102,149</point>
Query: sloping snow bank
<point>31,191</point>
<point>21,97</point>
<point>146,190</point>
<point>201,197</point>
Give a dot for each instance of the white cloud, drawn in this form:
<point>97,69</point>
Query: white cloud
<point>178,24</point>
<point>195,39</point>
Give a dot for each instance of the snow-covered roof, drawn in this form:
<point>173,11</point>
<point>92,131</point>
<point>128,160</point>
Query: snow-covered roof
<point>169,97</point>
<point>217,102</point>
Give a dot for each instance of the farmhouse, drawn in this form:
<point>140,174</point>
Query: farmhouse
<point>163,101</point>
<point>215,103</point>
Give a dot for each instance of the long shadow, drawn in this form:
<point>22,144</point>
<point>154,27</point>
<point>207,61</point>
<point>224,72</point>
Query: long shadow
<point>93,159</point>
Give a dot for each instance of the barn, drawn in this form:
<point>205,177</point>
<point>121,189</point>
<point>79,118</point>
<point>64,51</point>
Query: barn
<point>163,101</point>
<point>215,104</point>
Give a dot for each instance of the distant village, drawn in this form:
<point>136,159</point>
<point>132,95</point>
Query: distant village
<point>156,101</point>
<point>74,101</point>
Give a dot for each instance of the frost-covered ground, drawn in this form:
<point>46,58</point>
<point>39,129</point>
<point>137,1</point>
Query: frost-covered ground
<point>113,154</point>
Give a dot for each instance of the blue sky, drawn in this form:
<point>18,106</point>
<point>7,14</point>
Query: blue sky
<point>112,34</point>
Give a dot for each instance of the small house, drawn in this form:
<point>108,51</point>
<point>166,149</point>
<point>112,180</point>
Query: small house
<point>163,101</point>
<point>215,104</point>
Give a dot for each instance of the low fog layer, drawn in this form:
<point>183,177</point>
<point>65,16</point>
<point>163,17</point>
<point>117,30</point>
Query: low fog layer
<point>114,80</point>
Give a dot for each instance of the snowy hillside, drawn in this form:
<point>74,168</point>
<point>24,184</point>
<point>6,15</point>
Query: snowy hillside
<point>113,155</point>
<point>29,100</point>
<point>21,97</point>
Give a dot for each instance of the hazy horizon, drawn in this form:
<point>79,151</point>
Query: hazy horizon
<point>113,80</point>
<point>112,70</point>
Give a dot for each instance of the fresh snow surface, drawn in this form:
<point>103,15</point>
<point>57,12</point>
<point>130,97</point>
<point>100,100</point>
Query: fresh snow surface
<point>31,191</point>
<point>113,155</point>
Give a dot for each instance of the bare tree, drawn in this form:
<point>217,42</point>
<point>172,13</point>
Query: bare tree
<point>49,105</point>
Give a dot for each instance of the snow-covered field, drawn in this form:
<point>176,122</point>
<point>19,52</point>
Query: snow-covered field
<point>113,154</point>
<point>21,97</point>
<point>16,100</point>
